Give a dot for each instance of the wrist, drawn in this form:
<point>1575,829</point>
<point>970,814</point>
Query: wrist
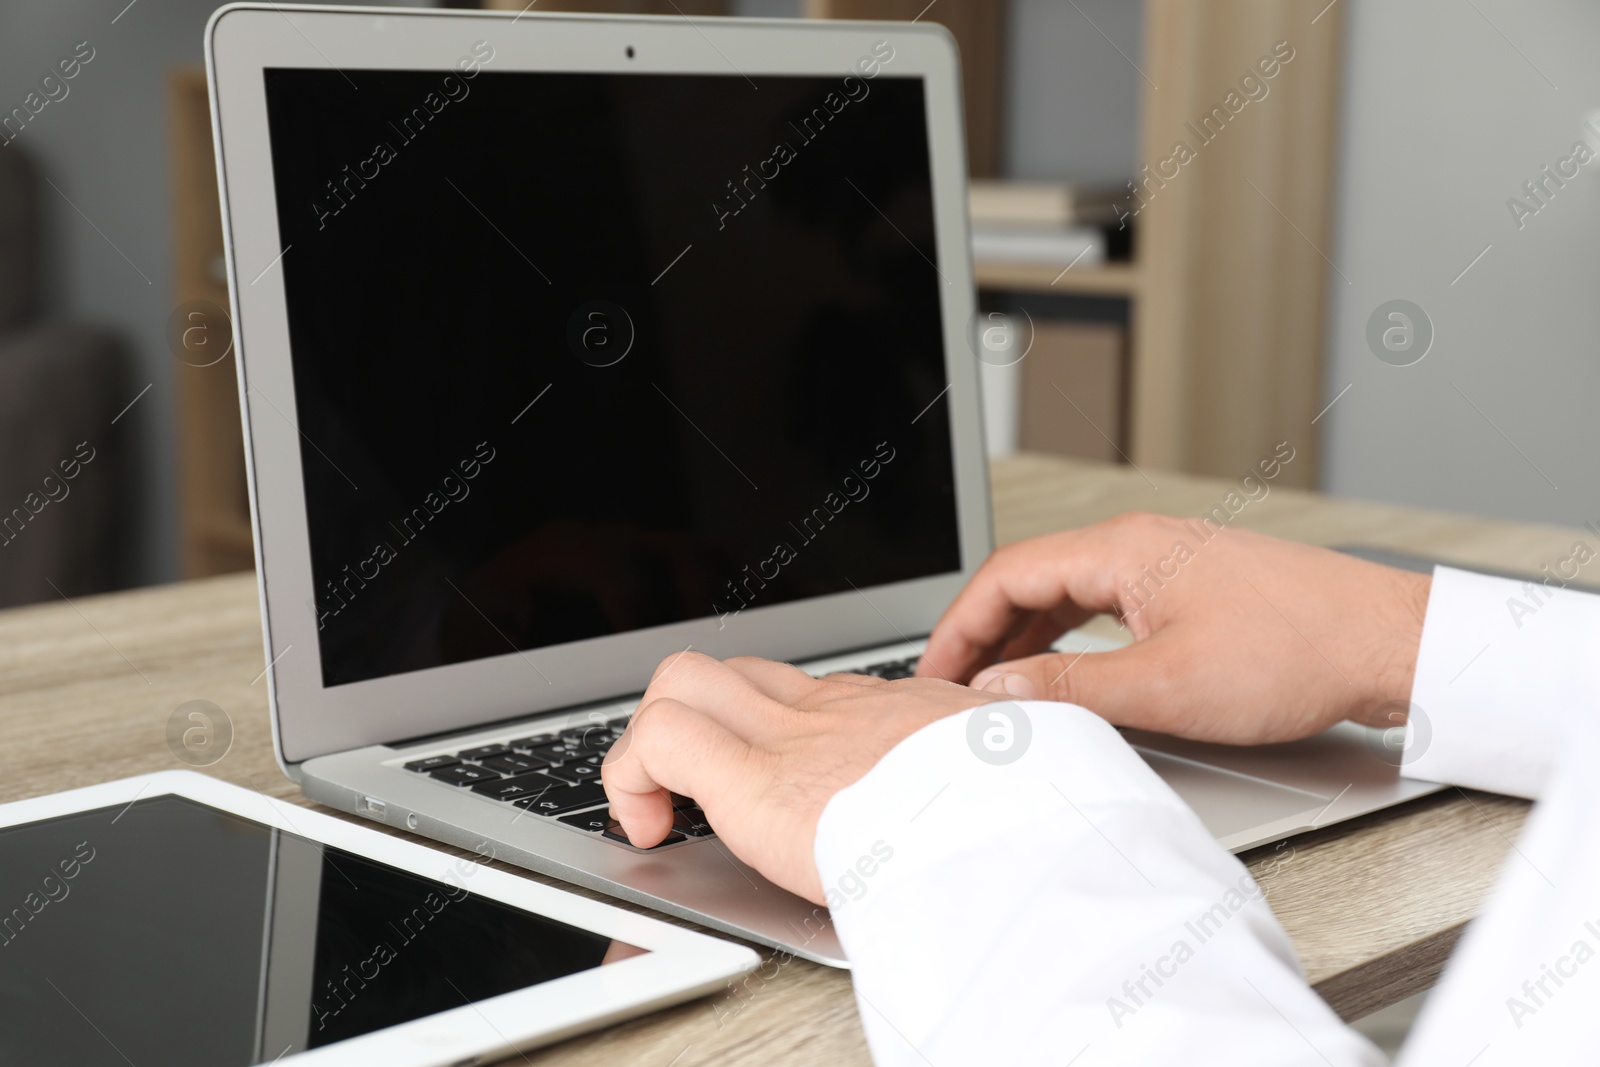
<point>1405,601</point>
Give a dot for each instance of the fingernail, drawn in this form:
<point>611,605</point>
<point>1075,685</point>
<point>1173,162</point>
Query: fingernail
<point>1016,685</point>
<point>1020,687</point>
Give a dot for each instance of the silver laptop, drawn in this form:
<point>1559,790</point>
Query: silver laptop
<point>571,343</point>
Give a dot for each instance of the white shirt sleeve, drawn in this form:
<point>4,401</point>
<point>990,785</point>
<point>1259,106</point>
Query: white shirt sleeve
<point>1523,986</point>
<point>1506,698</point>
<point>1505,674</point>
<point>1063,906</point>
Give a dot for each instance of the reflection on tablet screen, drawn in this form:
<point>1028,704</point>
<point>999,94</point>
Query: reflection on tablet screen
<point>172,933</point>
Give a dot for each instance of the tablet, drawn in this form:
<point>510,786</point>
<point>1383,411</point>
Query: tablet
<point>175,919</point>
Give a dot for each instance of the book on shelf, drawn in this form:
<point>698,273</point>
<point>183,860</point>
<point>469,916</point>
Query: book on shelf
<point>1061,246</point>
<point>1058,204</point>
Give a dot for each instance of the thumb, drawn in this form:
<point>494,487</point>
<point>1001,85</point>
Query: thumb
<point>1123,686</point>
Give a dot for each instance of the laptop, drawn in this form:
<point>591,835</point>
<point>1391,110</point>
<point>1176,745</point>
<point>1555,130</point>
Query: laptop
<point>570,343</point>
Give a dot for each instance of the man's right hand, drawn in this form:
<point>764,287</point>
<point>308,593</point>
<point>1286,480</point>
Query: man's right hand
<point>1243,638</point>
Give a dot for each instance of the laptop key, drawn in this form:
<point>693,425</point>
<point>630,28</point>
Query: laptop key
<point>893,669</point>
<point>559,801</point>
<point>619,724</point>
<point>557,751</point>
<point>525,743</point>
<point>514,763</point>
<point>594,740</point>
<point>527,785</point>
<point>462,774</point>
<point>483,752</point>
<point>692,823</point>
<point>616,834</point>
<point>574,772</point>
<point>432,763</point>
<point>596,821</point>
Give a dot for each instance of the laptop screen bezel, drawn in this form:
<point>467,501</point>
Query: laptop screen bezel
<point>241,42</point>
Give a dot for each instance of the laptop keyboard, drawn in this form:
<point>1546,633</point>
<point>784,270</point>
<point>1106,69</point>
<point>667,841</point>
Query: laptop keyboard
<point>557,775</point>
<point>892,670</point>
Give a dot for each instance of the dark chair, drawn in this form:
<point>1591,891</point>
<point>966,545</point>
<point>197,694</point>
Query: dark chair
<point>61,384</point>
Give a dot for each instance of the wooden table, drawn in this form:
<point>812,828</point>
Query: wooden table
<point>1374,905</point>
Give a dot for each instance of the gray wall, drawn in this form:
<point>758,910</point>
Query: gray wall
<point>105,144</point>
<point>766,9</point>
<point>1072,97</point>
<point>1444,120</point>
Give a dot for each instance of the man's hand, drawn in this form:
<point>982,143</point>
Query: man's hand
<point>1242,639</point>
<point>762,747</point>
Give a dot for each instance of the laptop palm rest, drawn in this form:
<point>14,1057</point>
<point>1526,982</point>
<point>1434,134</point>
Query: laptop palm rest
<point>1229,803</point>
<point>1249,795</point>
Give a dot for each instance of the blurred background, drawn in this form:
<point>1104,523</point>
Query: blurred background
<point>1199,304</point>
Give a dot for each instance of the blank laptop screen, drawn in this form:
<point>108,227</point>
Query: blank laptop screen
<point>579,354</point>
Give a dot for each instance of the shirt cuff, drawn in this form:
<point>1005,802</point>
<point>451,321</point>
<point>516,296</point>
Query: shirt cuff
<point>967,783</point>
<point>1506,674</point>
<point>1013,753</point>
<point>1013,884</point>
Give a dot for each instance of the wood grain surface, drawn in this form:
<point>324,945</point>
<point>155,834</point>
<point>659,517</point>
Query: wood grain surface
<point>1373,905</point>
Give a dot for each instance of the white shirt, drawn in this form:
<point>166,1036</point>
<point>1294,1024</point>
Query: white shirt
<point>1068,908</point>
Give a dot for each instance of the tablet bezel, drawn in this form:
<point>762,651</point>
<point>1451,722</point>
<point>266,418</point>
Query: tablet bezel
<point>678,965</point>
<point>244,39</point>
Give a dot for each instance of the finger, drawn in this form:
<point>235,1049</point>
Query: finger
<point>1128,686</point>
<point>857,679</point>
<point>783,682</point>
<point>674,749</point>
<point>794,688</point>
<point>1068,575</point>
<point>1017,625</point>
<point>670,664</point>
<point>716,689</point>
<point>1036,638</point>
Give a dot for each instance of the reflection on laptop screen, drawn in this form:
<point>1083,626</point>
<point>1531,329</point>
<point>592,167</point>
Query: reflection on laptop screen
<point>578,354</point>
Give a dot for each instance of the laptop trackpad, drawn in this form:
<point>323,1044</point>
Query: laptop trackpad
<point>1229,803</point>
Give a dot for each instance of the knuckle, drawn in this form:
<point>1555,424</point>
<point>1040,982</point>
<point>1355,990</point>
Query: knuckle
<point>642,736</point>
<point>676,670</point>
<point>678,661</point>
<point>1004,552</point>
<point>1001,559</point>
<point>695,667</point>
<point>1136,533</point>
<point>662,667</point>
<point>1061,681</point>
<point>646,726</point>
<point>1136,521</point>
<point>996,563</point>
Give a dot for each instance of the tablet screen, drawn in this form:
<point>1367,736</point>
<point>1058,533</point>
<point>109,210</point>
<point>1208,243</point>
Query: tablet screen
<point>169,932</point>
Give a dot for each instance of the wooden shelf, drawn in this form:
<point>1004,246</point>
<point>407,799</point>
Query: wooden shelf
<point>1108,279</point>
<point>214,509</point>
<point>1226,320</point>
